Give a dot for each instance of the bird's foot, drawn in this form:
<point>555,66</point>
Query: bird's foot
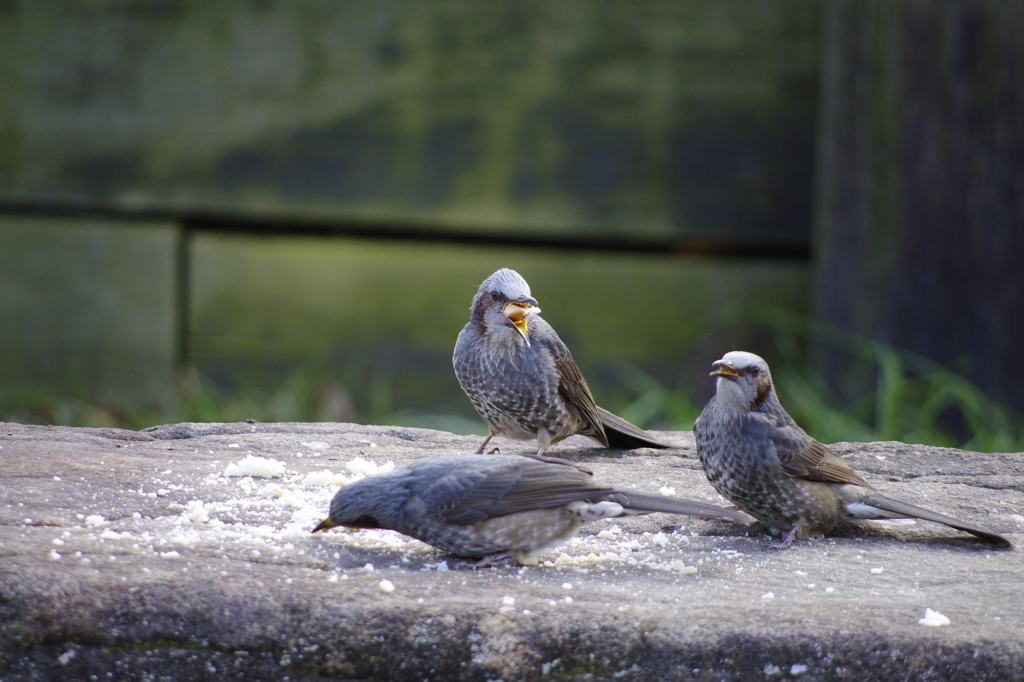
<point>480,450</point>
<point>495,451</point>
<point>490,561</point>
<point>786,540</point>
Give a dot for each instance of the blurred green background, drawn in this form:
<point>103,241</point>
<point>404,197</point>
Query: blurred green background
<point>281,210</point>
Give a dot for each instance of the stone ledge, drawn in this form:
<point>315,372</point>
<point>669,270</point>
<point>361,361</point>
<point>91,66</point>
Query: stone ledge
<point>131,553</point>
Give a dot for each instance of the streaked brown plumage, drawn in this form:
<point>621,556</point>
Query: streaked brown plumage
<point>500,507</point>
<point>757,457</point>
<point>523,380</point>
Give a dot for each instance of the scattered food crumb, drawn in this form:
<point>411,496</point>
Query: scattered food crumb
<point>258,467</point>
<point>659,539</point>
<point>363,467</point>
<point>933,619</point>
<point>196,511</point>
<point>323,477</point>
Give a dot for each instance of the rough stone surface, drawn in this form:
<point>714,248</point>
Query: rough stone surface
<point>130,555</point>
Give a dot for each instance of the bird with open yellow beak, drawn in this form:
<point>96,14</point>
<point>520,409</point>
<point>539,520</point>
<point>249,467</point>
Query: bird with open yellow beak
<point>523,380</point>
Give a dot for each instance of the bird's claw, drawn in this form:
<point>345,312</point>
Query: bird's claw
<point>490,561</point>
<point>785,541</point>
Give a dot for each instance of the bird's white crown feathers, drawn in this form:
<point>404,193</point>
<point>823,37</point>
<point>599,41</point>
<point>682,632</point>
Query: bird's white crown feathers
<point>741,359</point>
<point>506,282</point>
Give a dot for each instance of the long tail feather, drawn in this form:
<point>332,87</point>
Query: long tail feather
<point>624,436</point>
<point>644,502</point>
<point>906,509</point>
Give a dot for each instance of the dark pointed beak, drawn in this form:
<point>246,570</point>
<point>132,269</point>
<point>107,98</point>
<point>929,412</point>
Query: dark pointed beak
<point>324,525</point>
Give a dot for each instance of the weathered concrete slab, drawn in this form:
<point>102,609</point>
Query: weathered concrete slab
<point>111,569</point>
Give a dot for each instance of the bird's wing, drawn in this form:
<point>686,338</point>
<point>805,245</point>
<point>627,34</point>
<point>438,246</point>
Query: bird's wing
<point>477,490</point>
<point>571,384</point>
<point>799,455</point>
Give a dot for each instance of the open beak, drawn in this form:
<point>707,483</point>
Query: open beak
<point>724,369</point>
<point>516,311</point>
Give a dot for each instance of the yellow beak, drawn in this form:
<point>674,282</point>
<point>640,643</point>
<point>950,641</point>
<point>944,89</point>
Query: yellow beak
<point>516,312</point>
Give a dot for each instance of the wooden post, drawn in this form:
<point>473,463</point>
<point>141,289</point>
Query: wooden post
<point>919,232</point>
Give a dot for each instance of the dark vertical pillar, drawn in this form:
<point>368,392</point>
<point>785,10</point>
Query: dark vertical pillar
<point>183,298</point>
<point>920,206</point>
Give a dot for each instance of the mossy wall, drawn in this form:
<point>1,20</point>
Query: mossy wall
<point>657,117</point>
<point>87,306</point>
<point>384,318</point>
<point>655,122</point>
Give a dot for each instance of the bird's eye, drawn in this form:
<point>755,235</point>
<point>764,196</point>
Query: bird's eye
<point>495,295</point>
<point>754,371</point>
<point>364,521</point>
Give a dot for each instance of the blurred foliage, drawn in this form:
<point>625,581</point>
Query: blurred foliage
<point>303,396</point>
<point>915,400</point>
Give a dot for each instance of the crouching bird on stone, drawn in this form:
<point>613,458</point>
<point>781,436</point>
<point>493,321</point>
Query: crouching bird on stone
<point>756,456</point>
<point>502,508</point>
<point>523,380</point>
